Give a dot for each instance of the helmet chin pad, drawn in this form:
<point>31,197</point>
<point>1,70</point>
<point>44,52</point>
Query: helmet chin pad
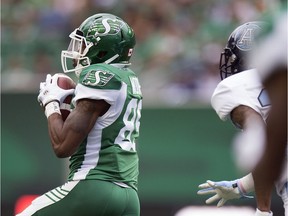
<point>78,70</point>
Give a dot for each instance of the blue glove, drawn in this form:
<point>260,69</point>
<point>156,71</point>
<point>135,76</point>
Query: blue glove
<point>222,190</point>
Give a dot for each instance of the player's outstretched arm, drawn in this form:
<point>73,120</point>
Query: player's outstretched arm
<point>222,191</point>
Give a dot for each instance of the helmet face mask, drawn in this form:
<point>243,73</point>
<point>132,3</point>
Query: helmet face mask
<point>75,54</point>
<point>101,38</point>
<point>227,60</point>
<point>240,43</point>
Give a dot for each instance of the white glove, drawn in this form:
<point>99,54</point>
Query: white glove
<point>260,213</point>
<point>223,190</point>
<point>50,91</point>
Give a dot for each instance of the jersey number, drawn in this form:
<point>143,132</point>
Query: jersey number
<point>128,134</point>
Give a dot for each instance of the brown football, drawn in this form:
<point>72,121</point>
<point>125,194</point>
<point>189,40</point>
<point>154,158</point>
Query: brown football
<point>65,82</point>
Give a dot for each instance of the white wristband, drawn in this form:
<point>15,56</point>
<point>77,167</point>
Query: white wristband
<point>260,213</point>
<point>246,184</point>
<point>65,106</point>
<point>52,107</point>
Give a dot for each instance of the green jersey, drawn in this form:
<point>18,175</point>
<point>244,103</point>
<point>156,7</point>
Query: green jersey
<point>109,151</point>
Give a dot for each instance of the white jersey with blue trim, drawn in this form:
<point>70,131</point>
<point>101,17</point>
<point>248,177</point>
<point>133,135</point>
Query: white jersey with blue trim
<point>244,88</point>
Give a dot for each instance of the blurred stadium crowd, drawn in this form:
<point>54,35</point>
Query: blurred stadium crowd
<point>178,42</point>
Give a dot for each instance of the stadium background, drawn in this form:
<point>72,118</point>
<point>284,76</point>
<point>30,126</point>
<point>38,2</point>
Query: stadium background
<point>177,53</point>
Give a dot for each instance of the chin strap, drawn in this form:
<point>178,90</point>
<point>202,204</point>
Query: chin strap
<point>121,65</point>
<point>78,70</point>
<point>111,59</point>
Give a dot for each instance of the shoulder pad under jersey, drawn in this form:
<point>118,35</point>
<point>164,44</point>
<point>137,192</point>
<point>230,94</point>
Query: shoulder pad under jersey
<point>100,77</point>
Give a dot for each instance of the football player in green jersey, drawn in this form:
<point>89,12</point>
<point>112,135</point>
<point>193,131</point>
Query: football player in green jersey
<point>100,133</point>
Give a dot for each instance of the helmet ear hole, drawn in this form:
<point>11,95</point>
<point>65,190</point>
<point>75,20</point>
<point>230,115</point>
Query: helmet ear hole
<point>101,54</point>
<point>121,35</point>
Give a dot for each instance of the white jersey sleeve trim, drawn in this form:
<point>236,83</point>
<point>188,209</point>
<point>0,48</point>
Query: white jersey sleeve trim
<point>81,92</point>
<point>239,89</point>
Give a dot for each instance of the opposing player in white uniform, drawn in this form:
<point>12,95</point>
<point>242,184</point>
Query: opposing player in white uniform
<point>240,97</point>
<point>100,133</point>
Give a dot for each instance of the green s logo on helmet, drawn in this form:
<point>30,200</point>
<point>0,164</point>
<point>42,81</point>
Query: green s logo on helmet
<point>101,38</point>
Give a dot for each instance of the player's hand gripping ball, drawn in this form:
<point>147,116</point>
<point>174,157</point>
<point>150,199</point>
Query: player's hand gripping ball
<point>60,88</point>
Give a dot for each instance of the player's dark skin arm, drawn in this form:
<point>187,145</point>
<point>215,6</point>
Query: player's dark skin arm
<point>66,136</point>
<point>242,115</point>
<point>269,167</point>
